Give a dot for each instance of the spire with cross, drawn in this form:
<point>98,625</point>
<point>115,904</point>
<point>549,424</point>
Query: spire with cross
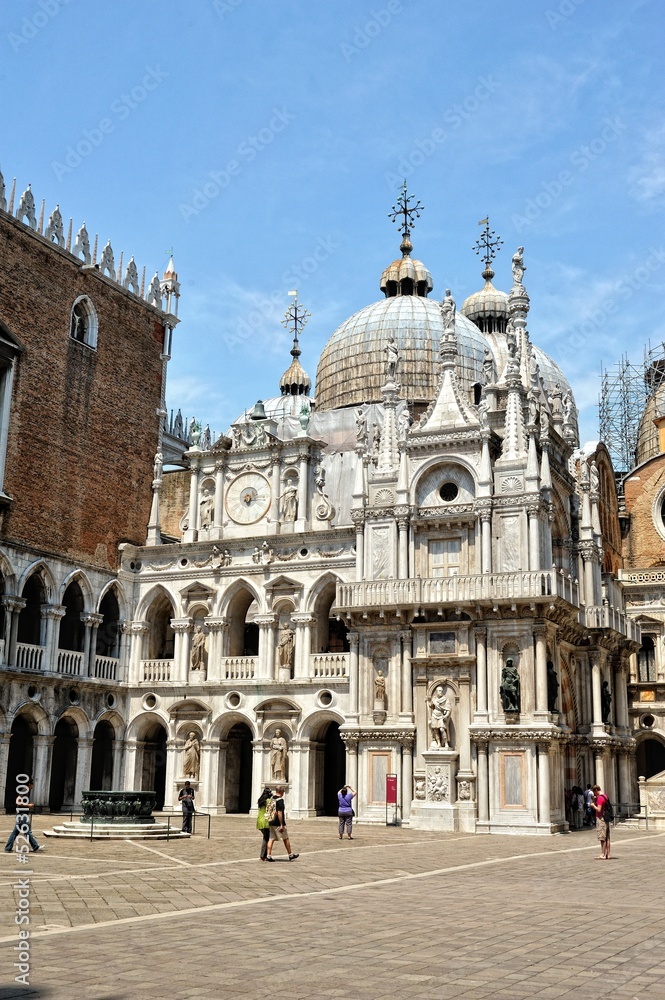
<point>487,246</point>
<point>409,212</point>
<point>295,380</point>
<point>295,319</point>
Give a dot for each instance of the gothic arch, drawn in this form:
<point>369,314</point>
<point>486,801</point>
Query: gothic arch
<point>320,584</point>
<point>313,726</point>
<point>460,471</point>
<point>114,719</point>
<point>139,726</point>
<point>80,577</point>
<point>8,573</point>
<point>148,599</point>
<point>120,596</point>
<point>40,568</point>
<point>232,591</point>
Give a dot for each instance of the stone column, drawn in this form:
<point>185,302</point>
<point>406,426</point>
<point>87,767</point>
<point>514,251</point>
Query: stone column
<point>533,513</point>
<point>303,625</point>
<point>544,803</point>
<point>172,776</point>
<point>118,764</point>
<point>215,628</point>
<point>266,664</point>
<point>83,762</point>
<point>407,776</point>
<point>598,729</point>
<point>137,630</point>
<point>92,621</point>
<point>218,512</point>
<point>303,486</point>
<point>481,671</point>
<point>41,768</point>
<point>625,791</point>
<point>354,639</point>
<point>183,629</point>
<point>621,695</point>
<point>359,522</point>
<point>540,636</point>
<point>193,517</point>
<point>51,613</point>
<point>403,548</point>
<point>221,775</point>
<point>5,739</point>
<point>130,765</point>
<point>483,784</point>
<point>207,797</point>
<point>463,717</point>
<point>599,759</point>
<point>13,607</point>
<point>276,476</point>
<point>406,707</point>
<point>352,764</point>
<point>486,541</point>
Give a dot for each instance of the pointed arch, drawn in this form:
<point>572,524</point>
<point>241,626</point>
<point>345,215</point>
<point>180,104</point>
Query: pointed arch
<point>158,590</point>
<point>8,573</point>
<point>120,595</point>
<point>231,591</point>
<point>81,578</point>
<point>41,568</point>
<point>330,631</point>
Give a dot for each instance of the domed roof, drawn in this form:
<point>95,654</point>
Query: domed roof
<point>406,276</point>
<point>351,368</point>
<point>488,302</point>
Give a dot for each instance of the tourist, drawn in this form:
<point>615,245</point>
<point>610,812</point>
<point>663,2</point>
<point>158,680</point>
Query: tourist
<point>262,823</point>
<point>23,823</point>
<point>345,797</point>
<point>590,816</point>
<point>278,827</point>
<point>578,807</point>
<point>186,797</point>
<point>599,805</point>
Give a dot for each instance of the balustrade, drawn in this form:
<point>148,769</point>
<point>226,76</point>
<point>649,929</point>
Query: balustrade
<point>29,657</point>
<point>329,665</point>
<point>106,668</point>
<point>239,668</point>
<point>155,671</point>
<point>70,662</point>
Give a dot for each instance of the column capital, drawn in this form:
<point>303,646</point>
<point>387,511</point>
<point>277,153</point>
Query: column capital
<point>540,629</point>
<point>480,632</point>
<point>43,741</point>
<point>85,742</point>
<point>135,628</point>
<point>303,619</point>
<point>405,635</point>
<point>265,621</point>
<point>354,638</point>
<point>12,603</point>
<point>91,618</point>
<point>55,611</point>
<point>217,624</point>
<point>182,625</point>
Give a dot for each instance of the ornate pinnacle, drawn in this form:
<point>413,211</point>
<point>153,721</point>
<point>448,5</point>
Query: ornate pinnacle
<point>295,319</point>
<point>486,246</point>
<point>410,213</point>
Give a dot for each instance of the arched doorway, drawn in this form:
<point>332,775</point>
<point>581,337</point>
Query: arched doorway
<point>650,758</point>
<point>161,638</point>
<point>153,771</point>
<point>243,630</point>
<point>329,760</point>
<point>63,765</point>
<point>20,758</point>
<point>71,627</point>
<point>239,761</point>
<point>331,632</point>
<point>101,766</point>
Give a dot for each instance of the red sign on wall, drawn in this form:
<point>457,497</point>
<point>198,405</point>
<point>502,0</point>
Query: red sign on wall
<point>391,789</point>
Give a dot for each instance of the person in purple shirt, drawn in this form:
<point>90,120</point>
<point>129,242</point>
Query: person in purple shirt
<point>345,797</point>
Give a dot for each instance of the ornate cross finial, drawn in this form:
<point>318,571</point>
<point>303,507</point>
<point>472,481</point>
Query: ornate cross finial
<point>409,212</point>
<point>295,319</point>
<point>486,246</point>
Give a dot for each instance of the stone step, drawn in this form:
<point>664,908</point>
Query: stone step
<point>117,831</point>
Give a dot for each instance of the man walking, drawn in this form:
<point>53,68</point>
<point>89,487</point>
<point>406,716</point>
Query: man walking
<point>23,823</point>
<point>590,816</point>
<point>186,798</point>
<point>601,806</point>
<point>278,827</point>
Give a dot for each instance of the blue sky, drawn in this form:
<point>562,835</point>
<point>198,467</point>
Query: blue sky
<point>265,143</point>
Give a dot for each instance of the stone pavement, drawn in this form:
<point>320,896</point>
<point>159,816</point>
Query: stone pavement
<point>395,912</point>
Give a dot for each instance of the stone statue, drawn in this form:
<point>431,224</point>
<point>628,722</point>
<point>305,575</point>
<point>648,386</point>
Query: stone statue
<point>555,401</point>
<point>266,554</point>
<point>392,359</point>
<point>594,479</point>
<point>197,657</point>
<point>376,439</point>
<point>290,502</point>
<point>544,423</point>
<point>518,266</point>
<point>606,702</point>
<point>510,687</point>
<point>278,752</point>
<point>206,509</point>
<point>192,757</point>
<point>361,426</point>
<point>236,434</point>
<point>488,367</point>
<point>286,646</point>
<point>483,414</point>
<point>552,687</point>
<point>157,467</point>
<point>511,342</point>
<point>380,687</point>
<point>256,555</point>
<point>439,719</point>
<point>448,313</point>
<point>533,408</point>
<point>403,424</point>
<point>226,558</point>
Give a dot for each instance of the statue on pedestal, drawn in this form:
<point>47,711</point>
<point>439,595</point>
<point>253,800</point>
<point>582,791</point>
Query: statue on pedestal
<point>278,753</point>
<point>510,687</point>
<point>380,688</point>
<point>206,508</point>
<point>198,655</point>
<point>286,646</point>
<point>290,502</point>
<point>192,756</point>
<point>552,687</point>
<point>391,352</point>
<point>606,702</point>
<point>439,719</point>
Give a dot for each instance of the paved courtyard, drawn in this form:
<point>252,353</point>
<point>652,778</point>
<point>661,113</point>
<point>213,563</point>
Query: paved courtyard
<point>395,912</point>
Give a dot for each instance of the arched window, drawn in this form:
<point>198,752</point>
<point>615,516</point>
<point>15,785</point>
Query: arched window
<point>646,660</point>
<point>72,628</point>
<point>108,633</point>
<point>83,324</point>
<point>30,617</point>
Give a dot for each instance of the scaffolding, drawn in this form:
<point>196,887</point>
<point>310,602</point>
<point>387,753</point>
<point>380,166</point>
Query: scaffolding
<point>626,388</point>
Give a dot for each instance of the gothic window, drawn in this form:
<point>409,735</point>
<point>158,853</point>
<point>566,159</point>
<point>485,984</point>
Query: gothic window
<point>444,556</point>
<point>83,324</point>
<point>646,660</point>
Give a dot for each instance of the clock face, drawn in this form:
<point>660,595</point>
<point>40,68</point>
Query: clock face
<point>248,498</point>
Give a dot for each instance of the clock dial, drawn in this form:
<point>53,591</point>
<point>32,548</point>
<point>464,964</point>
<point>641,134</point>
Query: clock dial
<point>248,498</point>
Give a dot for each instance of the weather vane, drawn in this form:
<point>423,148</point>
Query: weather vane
<point>487,243</point>
<point>406,209</point>
<point>295,318</point>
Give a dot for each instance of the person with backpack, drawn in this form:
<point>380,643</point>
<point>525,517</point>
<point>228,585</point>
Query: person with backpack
<point>262,823</point>
<point>602,807</point>
<point>276,816</point>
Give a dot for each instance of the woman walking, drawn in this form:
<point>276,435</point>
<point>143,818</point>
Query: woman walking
<point>345,797</point>
<point>262,823</point>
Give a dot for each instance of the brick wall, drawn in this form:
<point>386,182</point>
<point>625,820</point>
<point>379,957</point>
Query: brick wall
<point>83,428</point>
<point>174,501</point>
<point>644,546</point>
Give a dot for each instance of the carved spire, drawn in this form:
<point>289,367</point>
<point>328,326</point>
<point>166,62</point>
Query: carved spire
<point>295,381</point>
<point>487,245</point>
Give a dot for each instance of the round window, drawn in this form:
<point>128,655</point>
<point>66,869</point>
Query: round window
<point>648,721</point>
<point>325,698</point>
<point>448,492</point>
<point>233,699</point>
<point>149,701</point>
<point>110,700</point>
<point>33,692</point>
<point>74,696</point>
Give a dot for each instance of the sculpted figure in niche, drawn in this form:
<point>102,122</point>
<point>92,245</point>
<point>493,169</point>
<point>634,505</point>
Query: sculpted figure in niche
<point>206,508</point>
<point>552,687</point>
<point>380,687</point>
<point>192,757</point>
<point>278,752</point>
<point>197,657</point>
<point>510,687</point>
<point>606,701</point>
<point>439,719</point>
<point>286,646</point>
<point>256,554</point>
<point>290,502</point>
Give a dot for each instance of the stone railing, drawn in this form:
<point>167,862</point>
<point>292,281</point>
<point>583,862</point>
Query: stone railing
<point>70,662</point>
<point>329,665</point>
<point>457,590</point>
<point>155,671</point>
<point>239,668</point>
<point>642,576</point>
<point>608,617</point>
<point>106,668</point>
<point>29,657</point>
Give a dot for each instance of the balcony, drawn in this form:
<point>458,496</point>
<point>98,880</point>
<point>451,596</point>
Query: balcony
<point>493,588</point>
<point>105,668</point>
<point>606,617</point>
<point>70,663</point>
<point>155,671</point>
<point>239,668</point>
<point>329,665</point>
<point>29,657</point>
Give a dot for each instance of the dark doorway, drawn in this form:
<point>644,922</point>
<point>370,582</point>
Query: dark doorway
<point>334,768</point>
<point>21,750</point>
<point>63,765</point>
<point>239,759</point>
<point>108,633</point>
<point>251,639</point>
<point>71,627</point>
<point>153,777</point>
<point>101,767</point>
<point>650,758</point>
<point>30,617</point>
